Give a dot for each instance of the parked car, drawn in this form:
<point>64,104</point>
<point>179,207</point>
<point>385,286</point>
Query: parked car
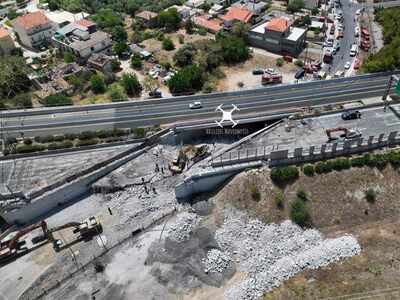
<point>195,105</point>
<point>258,71</point>
<point>340,34</point>
<point>271,71</point>
<point>351,115</point>
<point>337,47</point>
<point>347,65</point>
<point>155,94</point>
<point>299,74</point>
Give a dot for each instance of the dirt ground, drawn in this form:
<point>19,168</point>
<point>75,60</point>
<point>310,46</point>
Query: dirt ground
<point>337,208</point>
<point>243,72</point>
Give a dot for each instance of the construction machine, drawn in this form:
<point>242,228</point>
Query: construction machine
<point>347,133</point>
<point>13,247</point>
<point>87,229</point>
<point>178,165</point>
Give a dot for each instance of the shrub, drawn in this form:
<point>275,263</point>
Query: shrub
<point>279,199</point>
<point>86,135</point>
<point>46,139</point>
<point>30,148</point>
<point>102,134</point>
<point>299,63</point>
<point>202,31</point>
<point>57,100</point>
<point>380,160</point>
<point>370,195</point>
<point>167,44</point>
<point>139,132</point>
<point>70,136</point>
<point>87,142</point>
<point>358,162</point>
<point>255,193</point>
<point>63,145</point>
<point>27,141</point>
<point>97,84</point>
<point>340,164</point>
<point>59,138</point>
<point>181,39</point>
<point>279,62</point>
<point>299,213</point>
<point>309,170</point>
<point>323,167</point>
<point>301,194</point>
<point>284,174</point>
<point>119,132</point>
<point>394,158</point>
<point>136,62</point>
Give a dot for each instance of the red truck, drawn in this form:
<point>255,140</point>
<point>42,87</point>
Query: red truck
<point>271,78</point>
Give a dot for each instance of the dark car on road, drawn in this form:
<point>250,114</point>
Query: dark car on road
<point>351,115</point>
<point>299,74</point>
<point>155,94</point>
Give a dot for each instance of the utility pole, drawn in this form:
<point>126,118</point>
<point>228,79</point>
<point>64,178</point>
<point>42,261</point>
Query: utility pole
<point>393,78</point>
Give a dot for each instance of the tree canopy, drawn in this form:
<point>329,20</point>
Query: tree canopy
<point>187,79</point>
<point>13,76</point>
<point>388,58</point>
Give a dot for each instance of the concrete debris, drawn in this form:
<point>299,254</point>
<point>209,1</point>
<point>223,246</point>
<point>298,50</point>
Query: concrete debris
<point>216,261</point>
<point>183,227</point>
<point>272,253</point>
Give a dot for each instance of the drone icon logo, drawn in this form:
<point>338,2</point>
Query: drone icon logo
<point>226,115</point>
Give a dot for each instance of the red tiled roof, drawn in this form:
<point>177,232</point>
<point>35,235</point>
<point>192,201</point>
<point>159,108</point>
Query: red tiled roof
<point>3,32</point>
<point>85,23</point>
<point>280,24</point>
<point>31,20</point>
<point>238,14</point>
<point>212,25</point>
<point>147,15</point>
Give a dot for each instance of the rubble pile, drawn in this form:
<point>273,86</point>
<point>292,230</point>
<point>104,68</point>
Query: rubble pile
<point>183,227</point>
<point>272,253</point>
<point>216,261</point>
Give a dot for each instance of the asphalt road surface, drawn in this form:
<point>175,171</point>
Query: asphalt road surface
<point>259,102</point>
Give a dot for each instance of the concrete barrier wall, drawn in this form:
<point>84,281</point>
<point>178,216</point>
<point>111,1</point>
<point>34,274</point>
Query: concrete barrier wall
<point>208,181</point>
<point>309,154</point>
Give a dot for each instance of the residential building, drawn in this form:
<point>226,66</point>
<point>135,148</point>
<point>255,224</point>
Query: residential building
<point>82,39</point>
<point>6,42</point>
<point>254,6</point>
<point>34,29</point>
<point>237,14</point>
<point>277,35</point>
<point>100,62</point>
<point>148,18</point>
<point>62,18</point>
<point>211,25</point>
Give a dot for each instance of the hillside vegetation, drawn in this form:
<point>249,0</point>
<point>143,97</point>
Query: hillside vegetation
<point>388,58</point>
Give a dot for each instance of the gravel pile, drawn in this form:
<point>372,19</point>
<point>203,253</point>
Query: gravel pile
<point>216,261</point>
<point>272,253</point>
<point>183,227</point>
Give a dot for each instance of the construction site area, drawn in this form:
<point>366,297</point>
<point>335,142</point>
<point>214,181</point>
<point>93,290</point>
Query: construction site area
<point>109,223</point>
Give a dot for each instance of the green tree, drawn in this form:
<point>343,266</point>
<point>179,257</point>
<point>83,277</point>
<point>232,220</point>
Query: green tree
<point>97,84</point>
<point>23,101</point>
<point>13,76</point>
<point>116,92</point>
<point>279,61</point>
<point>295,5</point>
<point>240,29</point>
<point>315,11</point>
<point>169,19</point>
<point>57,100</point>
<point>120,47</point>
<point>131,84</point>
<point>107,19</point>
<point>115,65</point>
<point>119,34</point>
<point>234,49</point>
<point>187,79</point>
<point>185,55</point>
<point>167,44</point>
<point>68,57</point>
<point>136,62</point>
<point>132,6</point>
<point>299,213</point>
<point>189,26</point>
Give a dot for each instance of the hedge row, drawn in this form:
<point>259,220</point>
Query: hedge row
<point>281,175</point>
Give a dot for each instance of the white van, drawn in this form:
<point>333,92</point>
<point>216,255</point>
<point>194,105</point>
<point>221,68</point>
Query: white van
<point>353,50</point>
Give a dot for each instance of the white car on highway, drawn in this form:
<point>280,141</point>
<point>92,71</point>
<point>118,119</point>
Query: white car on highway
<point>347,65</point>
<point>195,105</point>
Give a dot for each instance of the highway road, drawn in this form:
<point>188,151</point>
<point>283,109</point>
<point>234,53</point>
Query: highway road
<point>263,101</point>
